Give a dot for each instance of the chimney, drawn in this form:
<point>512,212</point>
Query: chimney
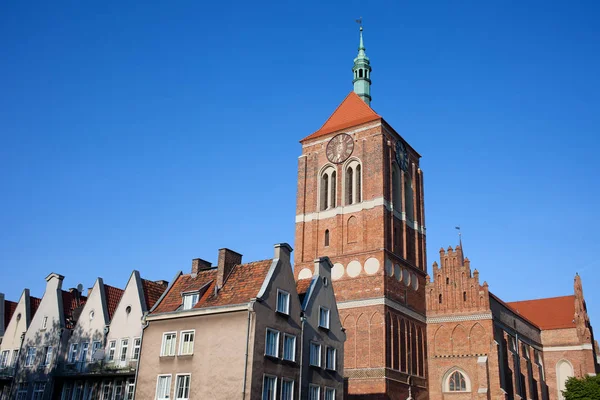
<point>283,251</point>
<point>199,264</point>
<point>162,283</point>
<point>227,259</point>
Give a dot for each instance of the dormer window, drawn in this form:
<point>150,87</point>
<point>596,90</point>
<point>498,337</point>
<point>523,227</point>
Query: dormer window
<point>323,317</point>
<point>190,300</point>
<point>283,302</point>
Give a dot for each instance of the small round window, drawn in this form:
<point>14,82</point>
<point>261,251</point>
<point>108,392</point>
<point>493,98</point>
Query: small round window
<point>92,314</point>
<point>128,310</point>
<point>325,281</point>
<point>18,316</point>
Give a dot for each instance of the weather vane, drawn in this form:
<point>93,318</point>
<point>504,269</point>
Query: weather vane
<point>359,22</point>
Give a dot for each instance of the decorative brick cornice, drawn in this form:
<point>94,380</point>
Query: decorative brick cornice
<point>380,301</point>
<point>459,318</point>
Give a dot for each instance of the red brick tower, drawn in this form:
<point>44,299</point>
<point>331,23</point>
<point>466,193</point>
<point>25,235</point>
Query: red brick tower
<point>360,202</point>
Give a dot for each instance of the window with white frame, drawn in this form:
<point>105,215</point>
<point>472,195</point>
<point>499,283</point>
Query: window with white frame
<point>47,356</point>
<point>44,322</point>
<point>4,358</point>
<point>124,348</point>
<point>287,389</point>
<point>353,183</point>
<point>168,344</point>
<point>118,391</point>
<point>137,345</point>
<point>272,343</point>
<point>112,349</point>
<point>315,354</point>
<point>186,345</point>
<point>314,392</point>
<point>15,357</point>
<point>324,317</point>
<point>283,302</point>
<point>95,347</point>
<point>38,390</point>
<point>84,352</point>
<point>329,393</point>
<point>163,387</point>
<point>22,391</point>
<point>182,387</point>
<point>190,300</point>
<point>73,353</point>
<point>456,382</point>
<point>269,387</point>
<point>30,359</point>
<point>327,188</point>
<point>330,358</point>
<point>289,347</point>
<point>130,389</point>
<point>106,390</point>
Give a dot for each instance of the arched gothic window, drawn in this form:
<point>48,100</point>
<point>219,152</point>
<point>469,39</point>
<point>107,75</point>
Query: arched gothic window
<point>396,188</point>
<point>457,382</point>
<point>353,183</point>
<point>327,189</point>
<point>408,197</point>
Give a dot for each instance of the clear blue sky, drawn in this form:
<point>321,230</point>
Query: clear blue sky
<point>144,134</point>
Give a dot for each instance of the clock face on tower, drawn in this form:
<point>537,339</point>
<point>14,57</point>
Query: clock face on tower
<point>340,148</point>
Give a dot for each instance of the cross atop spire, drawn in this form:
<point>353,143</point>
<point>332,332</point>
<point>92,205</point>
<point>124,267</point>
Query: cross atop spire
<point>362,70</point>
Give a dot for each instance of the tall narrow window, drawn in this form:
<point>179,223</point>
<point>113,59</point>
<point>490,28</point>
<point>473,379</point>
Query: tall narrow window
<point>38,390</point>
<point>187,343</point>
<point>287,389</point>
<point>315,354</point>
<point>323,317</point>
<point>168,344</point>
<point>47,355</point>
<point>84,351</point>
<point>440,298</point>
<point>326,237</point>
<point>112,346</point>
<point>464,296</point>
<point>289,347</point>
<point>73,352</point>
<point>329,393</point>
<point>358,184</point>
<point>272,343</point>
<point>269,388</point>
<point>325,192</point>
<point>4,358</point>
<point>408,197</point>
<point>30,359</point>
<point>353,183</point>
<point>314,392</point>
<point>333,194</point>
<point>330,358</point>
<point>349,185</point>
<point>124,348</point>
<point>403,341</point>
<point>328,189</point>
<point>163,387</point>
<point>283,302</point>
<point>137,345</point>
<point>182,387</point>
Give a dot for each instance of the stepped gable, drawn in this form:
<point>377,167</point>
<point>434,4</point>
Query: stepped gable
<point>113,296</point>
<point>351,112</point>
<point>153,291</point>
<point>9,309</point>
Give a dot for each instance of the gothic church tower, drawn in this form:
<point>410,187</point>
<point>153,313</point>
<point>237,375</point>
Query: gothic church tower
<point>360,202</point>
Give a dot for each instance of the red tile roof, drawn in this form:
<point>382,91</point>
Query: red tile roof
<point>302,286</point>
<point>152,292</point>
<point>71,302</point>
<point>351,112</point>
<point>113,296</point>
<point>242,285</point>
<point>550,313</point>
<point>9,310</point>
<point>34,303</point>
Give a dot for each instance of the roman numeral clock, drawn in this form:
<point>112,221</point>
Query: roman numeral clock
<point>339,148</point>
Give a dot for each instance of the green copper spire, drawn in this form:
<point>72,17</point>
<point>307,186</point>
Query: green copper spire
<point>362,72</point>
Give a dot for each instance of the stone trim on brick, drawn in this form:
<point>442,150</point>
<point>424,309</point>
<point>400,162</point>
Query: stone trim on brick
<point>378,301</point>
<point>459,318</point>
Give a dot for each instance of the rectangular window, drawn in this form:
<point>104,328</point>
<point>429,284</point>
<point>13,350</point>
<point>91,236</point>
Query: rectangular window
<point>73,353</point>
<point>106,390</point>
<point>289,347</point>
<point>112,346</point>
<point>4,358</point>
<point>22,391</point>
<point>118,391</point>
<point>137,345</point>
<point>182,387</point>
<point>78,391</point>
<point>130,389</point>
<point>38,390</point>
<point>84,351</point>
<point>283,302</point>
<point>124,348</point>
<point>287,389</point>
<point>168,344</point>
<point>186,343</point>
<point>67,392</point>
<point>95,347</point>
<point>272,343</point>
<point>30,359</point>
<point>315,354</point>
<point>163,387</point>
<point>47,356</point>
<point>15,357</point>
<point>329,393</point>
<point>330,358</point>
<point>269,387</point>
<point>324,317</point>
<point>314,392</point>
<point>44,322</point>
<point>190,300</point>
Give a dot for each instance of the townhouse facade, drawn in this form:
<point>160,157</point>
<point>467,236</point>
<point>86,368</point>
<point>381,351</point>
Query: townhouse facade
<point>240,330</point>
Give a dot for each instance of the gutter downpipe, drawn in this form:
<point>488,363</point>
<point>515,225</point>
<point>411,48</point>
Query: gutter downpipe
<point>250,310</point>
<point>303,319</point>
<point>137,369</point>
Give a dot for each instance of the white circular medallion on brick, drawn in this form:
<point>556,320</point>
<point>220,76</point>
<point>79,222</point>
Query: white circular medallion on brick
<point>371,265</point>
<point>389,268</point>
<point>305,273</point>
<point>406,276</point>
<point>398,272</point>
<point>415,281</point>
<point>337,271</point>
<point>353,269</point>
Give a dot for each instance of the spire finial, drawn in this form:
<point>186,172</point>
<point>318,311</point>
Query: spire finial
<point>362,69</point>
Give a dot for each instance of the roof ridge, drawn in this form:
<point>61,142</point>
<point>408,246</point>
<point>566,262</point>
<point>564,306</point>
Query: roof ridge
<point>541,298</point>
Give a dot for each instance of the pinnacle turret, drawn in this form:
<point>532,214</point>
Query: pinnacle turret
<point>362,72</point>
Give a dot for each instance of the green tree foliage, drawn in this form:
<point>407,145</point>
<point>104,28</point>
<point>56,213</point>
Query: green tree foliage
<point>587,388</point>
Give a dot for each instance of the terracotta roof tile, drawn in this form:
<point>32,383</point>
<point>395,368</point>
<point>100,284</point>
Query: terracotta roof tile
<point>34,303</point>
<point>550,313</point>
<point>113,296</point>
<point>152,292</point>
<point>9,309</point>
<point>351,112</point>
<point>184,283</point>
<point>71,303</point>
<point>302,286</point>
